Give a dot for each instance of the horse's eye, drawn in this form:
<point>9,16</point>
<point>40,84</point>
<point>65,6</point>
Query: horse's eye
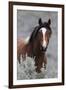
<point>49,33</point>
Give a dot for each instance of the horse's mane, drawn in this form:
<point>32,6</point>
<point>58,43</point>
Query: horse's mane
<point>33,34</point>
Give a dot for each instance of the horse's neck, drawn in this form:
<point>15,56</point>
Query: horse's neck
<point>29,46</point>
<point>31,50</point>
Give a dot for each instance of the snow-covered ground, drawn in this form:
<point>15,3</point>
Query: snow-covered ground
<point>26,21</point>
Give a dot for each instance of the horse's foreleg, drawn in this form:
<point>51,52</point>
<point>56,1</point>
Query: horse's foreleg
<point>38,68</point>
<point>45,61</point>
<point>38,64</point>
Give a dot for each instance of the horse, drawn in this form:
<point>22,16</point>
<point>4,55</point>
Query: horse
<point>37,45</point>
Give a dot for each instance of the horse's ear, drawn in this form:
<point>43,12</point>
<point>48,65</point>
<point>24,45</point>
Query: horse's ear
<point>49,21</point>
<point>40,21</point>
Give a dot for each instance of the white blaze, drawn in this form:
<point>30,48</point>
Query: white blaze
<point>44,32</point>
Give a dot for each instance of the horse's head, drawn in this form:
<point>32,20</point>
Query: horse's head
<point>44,33</point>
<point>40,36</point>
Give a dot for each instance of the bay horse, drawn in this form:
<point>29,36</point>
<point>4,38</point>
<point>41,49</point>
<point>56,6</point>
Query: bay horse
<point>37,44</point>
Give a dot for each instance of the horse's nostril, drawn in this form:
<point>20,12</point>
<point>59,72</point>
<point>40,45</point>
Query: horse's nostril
<point>43,49</point>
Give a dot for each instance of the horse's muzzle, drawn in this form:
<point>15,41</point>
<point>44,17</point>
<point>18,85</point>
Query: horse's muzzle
<point>43,49</point>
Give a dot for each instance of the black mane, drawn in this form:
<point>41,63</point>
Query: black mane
<point>34,33</point>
